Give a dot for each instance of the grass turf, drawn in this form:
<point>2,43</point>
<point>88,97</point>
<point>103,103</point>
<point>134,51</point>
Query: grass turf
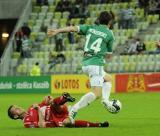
<point>140,116</point>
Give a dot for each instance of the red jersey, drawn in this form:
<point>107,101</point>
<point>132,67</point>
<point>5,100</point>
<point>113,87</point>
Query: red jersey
<point>31,120</point>
<point>51,116</point>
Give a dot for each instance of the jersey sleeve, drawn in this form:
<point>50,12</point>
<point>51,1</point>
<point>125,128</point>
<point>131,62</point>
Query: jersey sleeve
<point>82,29</point>
<point>29,122</point>
<point>31,119</point>
<point>110,44</point>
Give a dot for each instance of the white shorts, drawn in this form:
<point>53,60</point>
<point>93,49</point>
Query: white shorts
<point>96,74</point>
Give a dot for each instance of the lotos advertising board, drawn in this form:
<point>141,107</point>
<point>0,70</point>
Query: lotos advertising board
<point>25,84</point>
<point>71,83</point>
<point>140,82</point>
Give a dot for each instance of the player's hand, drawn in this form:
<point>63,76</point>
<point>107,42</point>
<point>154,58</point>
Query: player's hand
<point>48,99</point>
<point>52,32</point>
<point>36,106</point>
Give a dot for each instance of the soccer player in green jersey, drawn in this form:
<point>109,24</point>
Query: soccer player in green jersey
<point>98,46</point>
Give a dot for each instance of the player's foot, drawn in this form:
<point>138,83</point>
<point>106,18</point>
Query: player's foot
<point>68,97</point>
<point>104,124</point>
<point>108,105</point>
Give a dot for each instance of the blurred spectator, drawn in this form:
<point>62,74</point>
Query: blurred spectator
<point>71,38</point>
<point>59,45</point>
<point>145,5</point>
<point>18,39</point>
<point>60,58</point>
<point>26,47</point>
<point>79,11</point>
<point>128,17</point>
<point>133,47</point>
<point>70,35</point>
<point>141,47</point>
<point>63,5</point>
<point>55,59</point>
<point>126,47</point>
<point>36,70</point>
<point>121,18</point>
<point>26,30</point>
<point>154,6</point>
<point>52,61</point>
<point>42,2</point>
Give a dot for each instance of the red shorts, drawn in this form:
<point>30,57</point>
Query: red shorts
<point>60,116</point>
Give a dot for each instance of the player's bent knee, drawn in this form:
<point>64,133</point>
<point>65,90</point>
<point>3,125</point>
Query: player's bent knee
<point>108,78</point>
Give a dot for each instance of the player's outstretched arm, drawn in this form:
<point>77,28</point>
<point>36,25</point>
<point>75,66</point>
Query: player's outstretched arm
<point>53,32</point>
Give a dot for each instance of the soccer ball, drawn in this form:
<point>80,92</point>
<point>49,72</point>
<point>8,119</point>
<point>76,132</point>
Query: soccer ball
<point>113,106</point>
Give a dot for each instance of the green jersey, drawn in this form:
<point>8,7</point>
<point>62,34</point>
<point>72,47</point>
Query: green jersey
<point>99,41</point>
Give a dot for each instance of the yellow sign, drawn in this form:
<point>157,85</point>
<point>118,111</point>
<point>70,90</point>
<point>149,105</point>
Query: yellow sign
<point>69,83</point>
<point>72,83</point>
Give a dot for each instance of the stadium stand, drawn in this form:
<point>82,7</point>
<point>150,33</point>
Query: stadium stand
<point>46,16</point>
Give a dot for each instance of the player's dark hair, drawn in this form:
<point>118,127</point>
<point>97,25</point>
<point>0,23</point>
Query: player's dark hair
<point>105,17</point>
<point>10,114</point>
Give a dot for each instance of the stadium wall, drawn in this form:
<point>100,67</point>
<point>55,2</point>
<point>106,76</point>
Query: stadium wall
<point>11,8</point>
<point>5,60</point>
<point>78,84</point>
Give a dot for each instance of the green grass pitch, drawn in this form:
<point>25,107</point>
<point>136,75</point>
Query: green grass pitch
<point>140,116</point>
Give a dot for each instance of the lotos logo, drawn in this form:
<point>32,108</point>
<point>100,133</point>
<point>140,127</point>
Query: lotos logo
<point>57,84</point>
<point>88,84</point>
<point>67,84</point>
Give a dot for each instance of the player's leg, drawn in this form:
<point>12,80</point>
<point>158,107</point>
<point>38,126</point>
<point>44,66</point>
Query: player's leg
<point>58,102</point>
<point>96,81</point>
<point>107,85</point>
<point>106,89</point>
<point>87,98</point>
<point>66,97</point>
<point>83,123</point>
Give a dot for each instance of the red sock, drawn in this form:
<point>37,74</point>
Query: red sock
<point>81,123</point>
<point>59,100</point>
